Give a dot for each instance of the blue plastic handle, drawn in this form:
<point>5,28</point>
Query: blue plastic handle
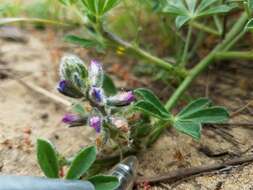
<point>38,183</point>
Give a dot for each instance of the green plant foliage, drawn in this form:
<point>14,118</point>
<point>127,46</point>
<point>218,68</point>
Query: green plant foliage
<point>99,7</point>
<point>102,182</point>
<point>249,25</point>
<point>189,10</point>
<point>87,43</point>
<point>109,86</point>
<point>198,112</point>
<point>47,158</point>
<point>150,103</point>
<point>81,163</point>
<point>78,108</point>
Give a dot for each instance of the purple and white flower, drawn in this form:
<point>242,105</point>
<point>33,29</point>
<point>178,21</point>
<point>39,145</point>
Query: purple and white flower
<point>96,123</point>
<point>97,95</point>
<point>121,99</point>
<point>96,74</point>
<point>65,87</point>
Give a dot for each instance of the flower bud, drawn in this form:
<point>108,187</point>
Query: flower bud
<point>97,95</point>
<point>96,123</point>
<point>120,123</point>
<point>73,70</point>
<point>66,88</point>
<point>96,74</point>
<point>74,120</point>
<point>121,99</point>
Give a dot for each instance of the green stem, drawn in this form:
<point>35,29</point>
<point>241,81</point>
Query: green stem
<point>144,54</point>
<point>205,28</point>
<point>248,55</point>
<point>204,63</point>
<point>186,47</point>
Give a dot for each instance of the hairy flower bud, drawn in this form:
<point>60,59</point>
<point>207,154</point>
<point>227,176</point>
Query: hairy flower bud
<point>96,74</point>
<point>66,88</point>
<point>97,95</point>
<point>74,120</point>
<point>73,70</point>
<point>96,123</point>
<point>121,99</point>
<point>119,122</point>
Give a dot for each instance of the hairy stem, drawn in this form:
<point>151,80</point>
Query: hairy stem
<point>205,28</point>
<point>248,55</point>
<point>144,54</point>
<point>186,47</point>
<point>204,63</point>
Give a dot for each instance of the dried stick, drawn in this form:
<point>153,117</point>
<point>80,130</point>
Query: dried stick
<point>46,93</point>
<point>187,172</point>
<point>41,91</point>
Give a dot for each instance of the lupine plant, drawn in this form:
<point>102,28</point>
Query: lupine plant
<point>125,120</point>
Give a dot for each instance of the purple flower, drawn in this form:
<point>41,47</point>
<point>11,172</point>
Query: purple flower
<point>70,118</point>
<point>96,123</point>
<point>96,74</point>
<point>65,87</point>
<point>97,95</point>
<point>74,120</point>
<point>121,99</point>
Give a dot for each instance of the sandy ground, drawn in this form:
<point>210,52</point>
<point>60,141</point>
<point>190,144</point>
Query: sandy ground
<point>26,116</point>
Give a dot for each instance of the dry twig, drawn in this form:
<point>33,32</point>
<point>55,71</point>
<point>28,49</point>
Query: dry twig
<point>187,172</point>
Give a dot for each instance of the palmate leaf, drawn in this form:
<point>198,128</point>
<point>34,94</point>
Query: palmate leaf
<point>207,115</point>
<point>150,109</point>
<point>99,7</point>
<point>189,128</point>
<point>196,113</point>
<point>189,10</point>
<point>194,106</point>
<point>149,96</point>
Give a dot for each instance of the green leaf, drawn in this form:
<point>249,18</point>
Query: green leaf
<point>149,96</point>
<point>150,109</point>
<point>250,4</point>
<point>78,108</point>
<point>207,115</point>
<point>102,182</point>
<point>205,4</point>
<point>191,4</point>
<point>91,5</point>
<point>176,7</point>
<point>215,10</point>
<point>194,106</point>
<point>47,158</point>
<point>109,5</point>
<point>181,20</point>
<point>108,86</point>
<point>87,43</point>
<point>190,128</point>
<point>249,25</point>
<point>81,163</point>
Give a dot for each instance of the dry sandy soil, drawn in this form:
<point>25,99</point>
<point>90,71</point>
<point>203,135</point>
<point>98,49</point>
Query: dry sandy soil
<point>26,115</point>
